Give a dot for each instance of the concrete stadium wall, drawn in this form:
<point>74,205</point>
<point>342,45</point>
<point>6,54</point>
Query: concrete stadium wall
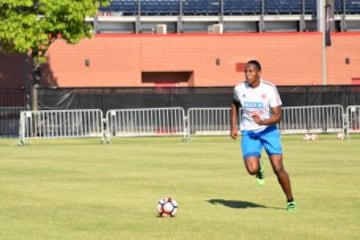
<point>200,60</point>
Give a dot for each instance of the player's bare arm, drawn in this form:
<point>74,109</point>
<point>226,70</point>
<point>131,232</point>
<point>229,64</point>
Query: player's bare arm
<point>234,119</point>
<point>274,119</point>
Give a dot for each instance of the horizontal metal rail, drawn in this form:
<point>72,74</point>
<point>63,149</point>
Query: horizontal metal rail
<point>174,121</point>
<point>316,119</point>
<point>208,121</point>
<point>145,122</point>
<point>61,124</point>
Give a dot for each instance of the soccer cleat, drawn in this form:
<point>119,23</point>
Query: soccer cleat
<point>291,206</point>
<point>260,176</point>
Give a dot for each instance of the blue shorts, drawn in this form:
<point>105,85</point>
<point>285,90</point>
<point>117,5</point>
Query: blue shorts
<point>253,142</point>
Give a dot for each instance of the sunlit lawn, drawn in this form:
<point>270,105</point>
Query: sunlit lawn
<point>81,189</point>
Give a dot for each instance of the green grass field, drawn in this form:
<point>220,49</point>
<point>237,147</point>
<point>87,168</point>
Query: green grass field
<point>81,189</point>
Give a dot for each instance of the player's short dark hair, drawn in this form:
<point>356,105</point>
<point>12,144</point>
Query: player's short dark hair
<point>256,64</point>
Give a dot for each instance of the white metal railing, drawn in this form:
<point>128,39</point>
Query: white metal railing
<point>317,119</point>
<point>208,121</point>
<point>174,121</point>
<point>353,119</point>
<point>61,124</point>
<point>145,122</point>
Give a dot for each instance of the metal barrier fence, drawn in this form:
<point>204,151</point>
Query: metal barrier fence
<point>208,121</point>
<point>61,124</point>
<point>315,119</point>
<point>173,121</point>
<point>9,120</point>
<point>353,119</point>
<point>145,122</point>
<point>12,102</point>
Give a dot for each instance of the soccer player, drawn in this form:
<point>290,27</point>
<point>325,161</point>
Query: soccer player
<point>261,111</point>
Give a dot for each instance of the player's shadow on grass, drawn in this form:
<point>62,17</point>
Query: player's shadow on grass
<point>236,203</point>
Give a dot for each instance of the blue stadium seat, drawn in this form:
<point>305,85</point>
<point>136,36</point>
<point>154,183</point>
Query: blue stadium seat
<point>233,7</point>
<point>213,7</point>
<point>283,7</point>
<point>129,7</point>
<point>189,7</point>
<point>251,7</point>
<point>242,7</point>
<point>174,7</point>
<point>272,7</point>
<point>296,6</point>
<point>352,7</point>
<point>164,8</point>
<point>310,7</point>
<point>338,7</point>
<point>201,7</point>
<point>115,5</point>
<point>227,5</point>
<point>149,7</point>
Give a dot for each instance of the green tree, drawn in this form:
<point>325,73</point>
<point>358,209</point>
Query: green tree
<point>31,26</point>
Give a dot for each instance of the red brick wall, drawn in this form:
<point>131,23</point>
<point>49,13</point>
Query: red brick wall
<point>117,60</point>
<point>344,45</point>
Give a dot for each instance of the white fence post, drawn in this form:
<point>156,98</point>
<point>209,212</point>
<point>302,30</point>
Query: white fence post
<point>352,119</point>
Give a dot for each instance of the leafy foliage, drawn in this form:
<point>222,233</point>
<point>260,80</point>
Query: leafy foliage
<point>30,26</point>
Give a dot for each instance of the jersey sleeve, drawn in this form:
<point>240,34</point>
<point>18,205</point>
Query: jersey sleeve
<point>236,94</point>
<point>275,99</point>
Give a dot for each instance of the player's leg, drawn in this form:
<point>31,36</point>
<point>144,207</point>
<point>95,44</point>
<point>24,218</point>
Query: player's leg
<point>282,175</point>
<point>284,180</point>
<point>252,164</point>
<point>251,148</point>
<point>272,144</point>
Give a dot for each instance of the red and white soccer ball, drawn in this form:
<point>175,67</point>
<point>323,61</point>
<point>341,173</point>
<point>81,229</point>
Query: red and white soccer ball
<point>167,207</point>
